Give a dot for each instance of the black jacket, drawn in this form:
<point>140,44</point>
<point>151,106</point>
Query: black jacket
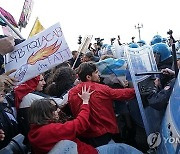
<point>158,99</point>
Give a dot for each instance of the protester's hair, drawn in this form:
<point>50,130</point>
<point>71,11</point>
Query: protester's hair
<point>73,52</point>
<point>90,55</point>
<point>84,69</point>
<point>48,74</point>
<point>41,112</point>
<point>62,80</point>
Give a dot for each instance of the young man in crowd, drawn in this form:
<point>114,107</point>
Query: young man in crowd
<point>102,118</point>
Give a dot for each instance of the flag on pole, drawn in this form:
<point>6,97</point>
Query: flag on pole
<point>36,28</point>
<point>113,70</point>
<point>26,13</point>
<point>9,18</point>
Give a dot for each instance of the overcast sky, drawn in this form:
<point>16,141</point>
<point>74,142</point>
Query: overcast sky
<point>102,18</point>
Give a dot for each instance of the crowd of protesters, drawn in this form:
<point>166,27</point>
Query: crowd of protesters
<point>75,104</point>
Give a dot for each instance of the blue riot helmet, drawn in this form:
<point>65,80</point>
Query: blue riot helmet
<point>156,39</point>
<point>133,45</point>
<point>141,43</point>
<point>162,50</point>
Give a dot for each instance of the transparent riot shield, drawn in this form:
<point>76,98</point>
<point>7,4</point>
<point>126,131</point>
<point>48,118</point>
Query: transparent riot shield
<point>170,128</point>
<point>141,60</point>
<point>118,50</point>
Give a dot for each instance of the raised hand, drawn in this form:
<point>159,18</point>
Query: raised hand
<point>5,78</point>
<point>85,96</point>
<point>6,45</point>
<point>168,71</point>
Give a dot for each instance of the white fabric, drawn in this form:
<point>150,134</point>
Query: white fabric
<point>29,98</point>
<point>63,101</point>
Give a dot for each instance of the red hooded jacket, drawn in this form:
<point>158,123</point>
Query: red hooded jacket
<point>23,89</point>
<point>102,117</point>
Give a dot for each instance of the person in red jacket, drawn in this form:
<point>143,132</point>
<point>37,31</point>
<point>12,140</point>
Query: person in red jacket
<point>48,125</point>
<point>102,117</point>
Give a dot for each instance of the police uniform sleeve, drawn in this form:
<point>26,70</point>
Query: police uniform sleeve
<point>159,100</point>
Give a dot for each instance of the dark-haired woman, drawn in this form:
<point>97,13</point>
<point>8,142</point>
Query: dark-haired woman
<point>25,94</point>
<point>59,84</point>
<point>48,125</point>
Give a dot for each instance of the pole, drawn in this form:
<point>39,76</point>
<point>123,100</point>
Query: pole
<point>76,59</point>
<point>174,56</point>
<point>5,20</point>
<point>139,34</point>
<point>83,47</point>
<point>139,29</point>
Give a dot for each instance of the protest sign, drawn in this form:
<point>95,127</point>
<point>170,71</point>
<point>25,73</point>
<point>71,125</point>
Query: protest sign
<point>83,47</point>
<point>38,54</point>
<point>85,44</point>
<point>26,13</point>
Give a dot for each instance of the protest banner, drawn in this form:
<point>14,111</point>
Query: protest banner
<point>26,13</point>
<point>38,54</point>
<point>85,44</point>
<point>8,17</point>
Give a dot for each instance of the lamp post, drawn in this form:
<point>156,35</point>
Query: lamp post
<point>138,26</point>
